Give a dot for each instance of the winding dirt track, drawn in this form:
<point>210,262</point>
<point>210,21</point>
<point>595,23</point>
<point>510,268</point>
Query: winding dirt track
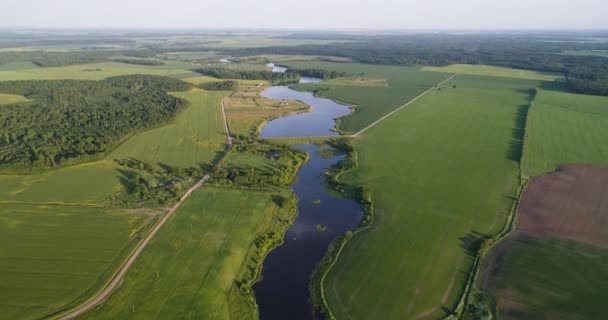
<point>105,293</point>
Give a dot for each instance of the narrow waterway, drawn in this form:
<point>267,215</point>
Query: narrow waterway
<point>283,291</point>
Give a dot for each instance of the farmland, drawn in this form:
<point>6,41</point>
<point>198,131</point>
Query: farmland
<point>61,237</point>
<point>565,128</point>
<point>196,138</point>
<point>52,256</point>
<point>484,70</point>
<point>462,146</point>
<point>371,100</point>
<point>549,267</point>
<point>193,268</point>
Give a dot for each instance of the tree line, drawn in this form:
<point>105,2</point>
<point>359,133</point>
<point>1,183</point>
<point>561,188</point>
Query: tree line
<point>228,85</point>
<point>584,74</point>
<point>73,120</point>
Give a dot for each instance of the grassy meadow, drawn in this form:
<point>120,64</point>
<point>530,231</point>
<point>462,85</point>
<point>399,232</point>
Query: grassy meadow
<point>53,255</point>
<point>493,71</point>
<point>246,110</point>
<point>565,128</point>
<point>191,269</point>
<point>442,172</point>
<point>11,98</point>
<point>372,101</point>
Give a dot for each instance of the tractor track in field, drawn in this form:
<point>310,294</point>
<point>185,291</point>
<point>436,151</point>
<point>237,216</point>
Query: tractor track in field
<point>126,266</point>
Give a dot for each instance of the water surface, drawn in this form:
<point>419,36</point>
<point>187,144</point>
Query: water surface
<point>283,291</point>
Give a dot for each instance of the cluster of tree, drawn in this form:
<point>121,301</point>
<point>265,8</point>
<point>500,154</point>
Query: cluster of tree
<point>272,77</point>
<point>74,120</point>
<point>143,62</point>
<point>162,184</point>
<point>228,85</point>
<point>319,73</point>
<point>287,162</point>
<point>63,58</point>
<point>541,52</point>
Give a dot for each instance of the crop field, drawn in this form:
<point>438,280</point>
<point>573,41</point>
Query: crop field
<point>190,270</point>
<point>371,101</point>
<point>460,144</point>
<point>484,70</point>
<point>59,242</point>
<point>246,110</point>
<point>97,71</point>
<point>550,267</point>
<point>51,256</point>
<point>196,138</point>
<point>564,128</point>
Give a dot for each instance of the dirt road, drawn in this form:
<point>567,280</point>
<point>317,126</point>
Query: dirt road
<point>101,296</point>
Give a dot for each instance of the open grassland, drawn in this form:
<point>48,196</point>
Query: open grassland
<point>484,70</point>
<point>595,53</point>
<point>11,98</point>
<point>554,265</point>
<point>192,268</point>
<point>371,101</point>
<point>195,139</point>
<point>52,256</point>
<point>97,71</point>
<point>565,128</point>
<point>246,110</point>
<point>443,172</point>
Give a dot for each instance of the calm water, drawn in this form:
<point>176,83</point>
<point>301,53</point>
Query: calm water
<point>283,291</point>
<point>318,122</point>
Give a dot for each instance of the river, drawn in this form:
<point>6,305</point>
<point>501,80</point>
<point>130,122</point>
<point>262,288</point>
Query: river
<point>283,292</point>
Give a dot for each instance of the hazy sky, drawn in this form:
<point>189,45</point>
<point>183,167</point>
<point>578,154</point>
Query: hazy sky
<point>305,14</point>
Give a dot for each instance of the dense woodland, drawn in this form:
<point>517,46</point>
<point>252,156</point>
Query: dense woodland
<point>71,120</point>
<point>585,74</point>
<point>142,62</point>
<point>227,85</point>
<point>273,77</point>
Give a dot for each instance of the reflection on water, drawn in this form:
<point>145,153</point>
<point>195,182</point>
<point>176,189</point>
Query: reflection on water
<point>283,292</point>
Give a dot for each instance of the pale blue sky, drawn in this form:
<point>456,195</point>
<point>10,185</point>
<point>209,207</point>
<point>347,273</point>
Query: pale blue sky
<point>307,14</point>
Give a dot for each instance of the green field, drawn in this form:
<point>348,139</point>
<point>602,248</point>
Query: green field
<point>196,138</point>
<point>484,70</point>
<point>565,128</point>
<point>442,171</point>
<point>545,278</point>
<point>97,71</point>
<point>595,53</point>
<point>50,256</point>
<point>190,269</point>
<point>373,101</point>
<point>57,221</point>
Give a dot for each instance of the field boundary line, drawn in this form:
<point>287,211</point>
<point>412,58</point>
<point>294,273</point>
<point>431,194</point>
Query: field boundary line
<point>126,266</point>
<point>403,106</point>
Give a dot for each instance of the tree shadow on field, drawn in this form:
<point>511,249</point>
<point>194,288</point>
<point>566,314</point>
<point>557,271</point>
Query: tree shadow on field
<point>518,132</point>
<point>126,179</point>
<point>471,242</point>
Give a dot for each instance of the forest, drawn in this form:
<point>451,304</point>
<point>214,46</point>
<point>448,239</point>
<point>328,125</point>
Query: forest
<point>227,85</point>
<point>273,77</point>
<point>71,120</point>
<point>64,58</point>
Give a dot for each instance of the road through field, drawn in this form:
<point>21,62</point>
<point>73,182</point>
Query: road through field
<point>101,296</point>
<point>403,106</point>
